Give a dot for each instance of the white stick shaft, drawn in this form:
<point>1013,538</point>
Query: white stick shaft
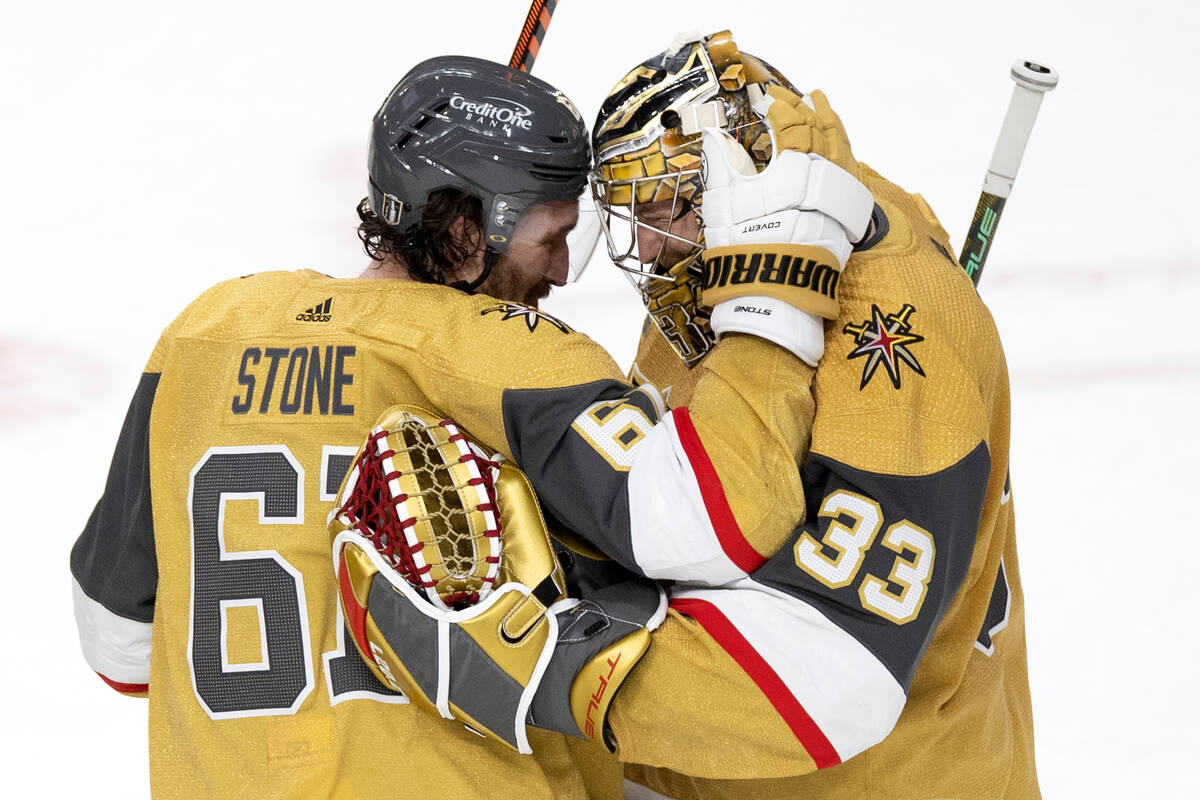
<point>1010,147</point>
<point>1032,82</point>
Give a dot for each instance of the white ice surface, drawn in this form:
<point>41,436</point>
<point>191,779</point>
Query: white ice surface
<point>148,150</point>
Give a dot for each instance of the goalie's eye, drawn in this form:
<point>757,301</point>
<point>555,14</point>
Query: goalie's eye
<point>659,215</point>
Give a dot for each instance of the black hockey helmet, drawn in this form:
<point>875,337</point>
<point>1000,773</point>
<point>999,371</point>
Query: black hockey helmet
<point>483,128</point>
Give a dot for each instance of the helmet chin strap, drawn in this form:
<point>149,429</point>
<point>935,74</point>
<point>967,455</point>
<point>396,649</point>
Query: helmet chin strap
<point>490,257</point>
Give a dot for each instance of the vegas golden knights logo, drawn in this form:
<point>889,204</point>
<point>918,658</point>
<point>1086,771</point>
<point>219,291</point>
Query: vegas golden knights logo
<point>885,341</point>
<point>530,315</point>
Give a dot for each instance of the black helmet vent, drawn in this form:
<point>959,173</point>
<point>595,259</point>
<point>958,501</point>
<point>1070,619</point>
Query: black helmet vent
<point>416,126</point>
<point>549,172</point>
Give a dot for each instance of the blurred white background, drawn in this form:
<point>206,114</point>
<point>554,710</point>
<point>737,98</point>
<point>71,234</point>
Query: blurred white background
<point>150,149</point>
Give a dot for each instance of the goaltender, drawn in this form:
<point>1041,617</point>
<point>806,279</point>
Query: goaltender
<point>908,545</point>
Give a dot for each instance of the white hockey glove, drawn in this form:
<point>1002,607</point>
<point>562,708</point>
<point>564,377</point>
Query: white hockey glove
<point>777,240</point>
<point>425,526</point>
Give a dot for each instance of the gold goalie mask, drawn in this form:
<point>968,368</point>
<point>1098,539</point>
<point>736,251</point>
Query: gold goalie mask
<point>647,176</point>
<point>453,594</point>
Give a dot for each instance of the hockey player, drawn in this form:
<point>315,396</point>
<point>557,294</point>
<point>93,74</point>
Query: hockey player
<point>202,577</point>
<point>906,562</point>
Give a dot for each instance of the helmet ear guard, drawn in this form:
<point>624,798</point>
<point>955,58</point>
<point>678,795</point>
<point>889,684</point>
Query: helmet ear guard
<point>501,221</point>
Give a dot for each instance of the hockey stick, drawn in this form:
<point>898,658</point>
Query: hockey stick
<point>1033,81</point>
<point>528,45</point>
<point>532,33</point>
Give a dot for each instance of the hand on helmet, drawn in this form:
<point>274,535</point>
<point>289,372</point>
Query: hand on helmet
<point>777,240</point>
<point>807,125</point>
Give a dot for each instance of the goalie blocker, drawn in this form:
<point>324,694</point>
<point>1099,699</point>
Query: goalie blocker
<point>454,596</point>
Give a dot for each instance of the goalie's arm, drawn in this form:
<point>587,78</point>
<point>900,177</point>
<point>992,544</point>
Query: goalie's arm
<point>608,460</point>
<point>703,493</point>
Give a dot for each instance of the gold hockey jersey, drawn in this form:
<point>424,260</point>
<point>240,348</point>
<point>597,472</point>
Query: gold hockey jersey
<point>204,576</point>
<point>895,611</point>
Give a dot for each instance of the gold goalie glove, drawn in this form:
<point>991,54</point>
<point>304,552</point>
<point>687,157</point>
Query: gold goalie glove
<point>454,596</point>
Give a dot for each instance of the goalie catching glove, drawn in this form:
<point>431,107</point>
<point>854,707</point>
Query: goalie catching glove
<point>454,596</point>
<point>777,240</point>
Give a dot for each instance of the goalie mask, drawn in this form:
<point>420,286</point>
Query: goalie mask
<point>647,174</point>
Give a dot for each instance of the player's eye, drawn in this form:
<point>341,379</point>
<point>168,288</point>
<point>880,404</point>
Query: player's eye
<point>663,219</point>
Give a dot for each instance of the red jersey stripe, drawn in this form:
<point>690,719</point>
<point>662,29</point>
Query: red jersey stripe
<point>729,535</point>
<point>731,641</point>
<point>126,688</point>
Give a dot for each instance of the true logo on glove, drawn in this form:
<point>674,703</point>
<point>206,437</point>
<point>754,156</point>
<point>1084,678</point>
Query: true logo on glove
<point>381,662</point>
<point>589,726</point>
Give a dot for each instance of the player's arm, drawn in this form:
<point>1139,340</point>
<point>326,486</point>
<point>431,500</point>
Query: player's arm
<point>113,563</point>
<point>609,461</point>
<point>901,492</point>
<point>819,646</point>
<point>701,492</point>
<point>500,641</point>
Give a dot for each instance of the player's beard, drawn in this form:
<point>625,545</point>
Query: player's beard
<point>508,282</point>
<point>539,291</point>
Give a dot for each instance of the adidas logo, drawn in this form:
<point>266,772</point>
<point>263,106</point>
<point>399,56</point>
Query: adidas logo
<point>318,313</point>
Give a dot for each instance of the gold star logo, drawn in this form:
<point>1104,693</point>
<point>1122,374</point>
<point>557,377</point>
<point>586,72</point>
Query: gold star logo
<point>884,340</point>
